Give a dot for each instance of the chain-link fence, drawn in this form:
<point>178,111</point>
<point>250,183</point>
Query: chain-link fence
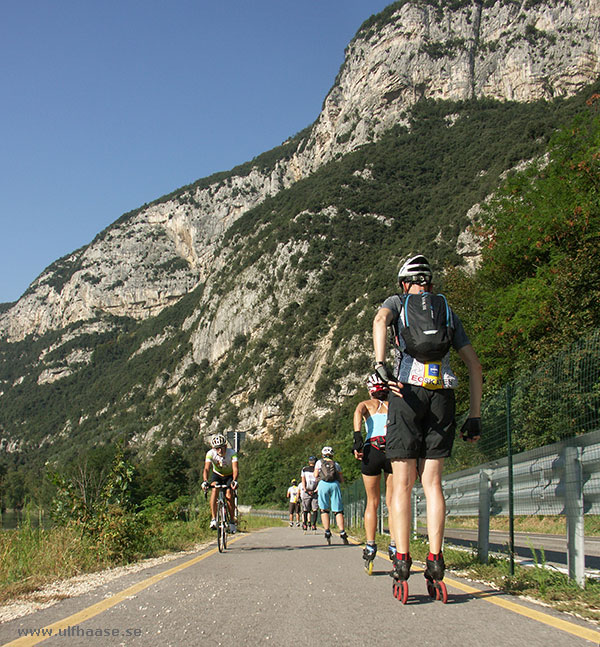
<point>533,457</point>
<point>554,401</point>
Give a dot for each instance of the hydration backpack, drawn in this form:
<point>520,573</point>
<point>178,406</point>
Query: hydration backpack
<point>425,325</point>
<point>327,472</point>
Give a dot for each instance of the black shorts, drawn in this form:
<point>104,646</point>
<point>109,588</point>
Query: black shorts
<point>374,460</point>
<point>420,424</point>
<point>221,480</point>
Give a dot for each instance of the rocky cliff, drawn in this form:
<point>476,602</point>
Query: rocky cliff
<point>250,269</point>
<point>502,50</point>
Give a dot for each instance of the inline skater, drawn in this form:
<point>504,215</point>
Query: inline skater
<point>421,417</point>
<point>310,501</point>
<point>293,494</point>
<point>328,474</point>
<point>371,452</point>
<point>224,465</point>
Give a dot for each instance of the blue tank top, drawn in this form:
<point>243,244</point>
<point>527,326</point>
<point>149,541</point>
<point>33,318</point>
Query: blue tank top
<point>376,424</point>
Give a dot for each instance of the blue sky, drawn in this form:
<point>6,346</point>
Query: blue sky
<point>109,104</point>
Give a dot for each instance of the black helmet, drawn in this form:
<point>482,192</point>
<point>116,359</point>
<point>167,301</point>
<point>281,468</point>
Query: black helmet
<point>415,270</point>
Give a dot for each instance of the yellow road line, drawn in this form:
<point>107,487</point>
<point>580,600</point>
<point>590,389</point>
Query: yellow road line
<point>100,607</point>
<point>539,616</point>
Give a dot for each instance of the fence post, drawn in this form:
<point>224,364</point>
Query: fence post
<point>483,535</point>
<point>574,514</point>
<point>511,501</point>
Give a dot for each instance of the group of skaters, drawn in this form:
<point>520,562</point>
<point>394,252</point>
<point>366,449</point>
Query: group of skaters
<point>409,420</point>
<point>318,489</point>
<point>409,423</point>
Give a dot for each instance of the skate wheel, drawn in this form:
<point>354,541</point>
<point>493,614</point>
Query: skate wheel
<point>369,567</point>
<point>433,592</point>
<point>442,592</point>
<point>403,591</point>
<point>395,589</point>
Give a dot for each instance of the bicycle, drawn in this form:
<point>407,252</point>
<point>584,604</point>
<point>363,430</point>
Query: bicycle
<point>223,518</point>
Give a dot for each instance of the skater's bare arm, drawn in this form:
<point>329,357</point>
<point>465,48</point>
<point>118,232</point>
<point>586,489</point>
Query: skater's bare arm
<point>469,357</point>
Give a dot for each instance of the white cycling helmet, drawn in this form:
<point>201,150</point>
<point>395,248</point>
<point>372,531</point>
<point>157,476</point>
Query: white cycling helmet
<point>327,451</point>
<point>218,440</point>
<point>415,270</point>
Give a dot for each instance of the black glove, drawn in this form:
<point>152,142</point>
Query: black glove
<point>358,442</point>
<point>471,428</point>
<point>384,372</point>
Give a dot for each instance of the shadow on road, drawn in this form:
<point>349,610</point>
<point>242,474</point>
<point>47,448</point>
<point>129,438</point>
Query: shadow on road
<point>268,549</point>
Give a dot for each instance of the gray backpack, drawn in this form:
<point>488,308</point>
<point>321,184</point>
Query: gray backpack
<point>328,472</point>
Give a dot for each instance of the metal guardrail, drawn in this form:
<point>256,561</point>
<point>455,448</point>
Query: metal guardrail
<point>272,514</point>
<point>558,479</point>
<point>539,479</point>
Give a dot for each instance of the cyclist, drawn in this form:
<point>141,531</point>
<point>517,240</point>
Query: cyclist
<point>421,424</point>
<point>310,502</point>
<point>329,476</point>
<point>224,464</point>
<point>371,452</point>
<point>293,494</point>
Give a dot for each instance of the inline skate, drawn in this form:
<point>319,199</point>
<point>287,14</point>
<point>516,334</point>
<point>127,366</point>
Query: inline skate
<point>344,537</point>
<point>369,552</point>
<point>434,574</point>
<point>401,572</point>
<point>328,536</point>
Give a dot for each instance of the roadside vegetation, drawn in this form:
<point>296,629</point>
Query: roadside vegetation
<point>32,557</point>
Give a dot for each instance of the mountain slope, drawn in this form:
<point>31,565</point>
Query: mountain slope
<point>244,301</point>
<point>150,258</point>
<point>281,333</point>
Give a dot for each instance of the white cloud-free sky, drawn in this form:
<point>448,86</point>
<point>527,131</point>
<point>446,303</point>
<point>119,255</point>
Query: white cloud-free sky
<point>109,104</point>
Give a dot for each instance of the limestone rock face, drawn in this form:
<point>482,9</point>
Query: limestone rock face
<point>149,260</point>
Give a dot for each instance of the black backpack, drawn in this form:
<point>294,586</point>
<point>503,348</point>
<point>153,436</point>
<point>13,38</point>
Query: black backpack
<point>425,325</point>
<point>327,471</point>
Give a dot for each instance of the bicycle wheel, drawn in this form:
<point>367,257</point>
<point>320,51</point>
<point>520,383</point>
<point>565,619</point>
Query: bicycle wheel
<point>225,523</point>
<point>221,531</point>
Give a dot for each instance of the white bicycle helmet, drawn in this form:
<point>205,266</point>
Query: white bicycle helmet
<point>327,451</point>
<point>416,270</point>
<point>218,440</point>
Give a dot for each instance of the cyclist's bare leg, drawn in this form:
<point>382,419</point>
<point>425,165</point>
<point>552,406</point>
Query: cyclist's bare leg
<point>230,505</point>
<point>213,503</point>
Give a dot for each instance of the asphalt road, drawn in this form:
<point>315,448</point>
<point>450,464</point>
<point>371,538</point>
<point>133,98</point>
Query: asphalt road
<point>281,587</point>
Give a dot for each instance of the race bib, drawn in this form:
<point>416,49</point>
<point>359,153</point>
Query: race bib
<point>432,376</point>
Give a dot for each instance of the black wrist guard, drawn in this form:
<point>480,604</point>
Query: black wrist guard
<point>471,428</point>
<point>358,442</point>
<point>384,372</point>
